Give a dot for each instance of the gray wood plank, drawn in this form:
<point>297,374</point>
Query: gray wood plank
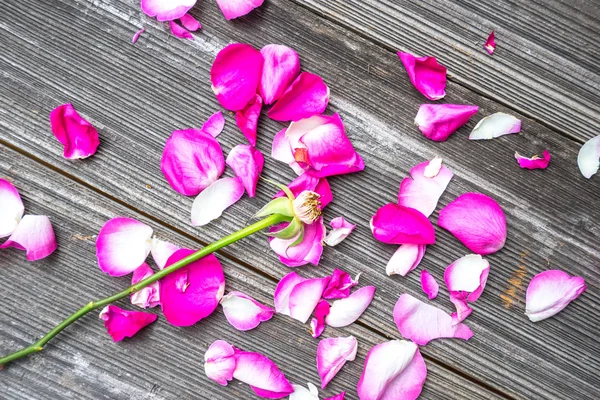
<point>138,94</point>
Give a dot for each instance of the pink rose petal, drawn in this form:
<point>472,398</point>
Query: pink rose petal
<point>34,235</point>
<point>247,162</point>
<point>136,35</point>
<point>11,208</point>
<point>161,251</point>
<point>477,221</point>
<point>192,160</point>
<point>534,162</point>
<point>462,308</point>
<point>339,396</point>
<point>166,10</point>
<point>308,95</point>
<point>317,324</point>
<point>438,121</point>
<point>261,374</point>
<point>549,292</point>
<point>302,393</point>
<point>340,284</point>
<point>309,250</point>
<point>307,182</point>
<point>495,125</point>
<point>236,8</point>
<point>121,324</point>
<point>394,370</point>
<point>219,362</point>
<point>426,75</point>
<point>210,204</point>
<point>180,31</point>
<point>490,43</point>
<point>405,259</point>
<point>422,322</point>
<point>243,312</point>
<point>122,246</point>
<point>332,354</point>
<point>340,229</point>
<point>78,136</point>
<point>281,67</point>
<point>429,284</point>
<point>247,119</point>
<point>283,290</point>
<point>190,23</point>
<point>298,297</point>
<point>467,276</point>
<point>148,296</point>
<point>588,158</point>
<point>345,311</point>
<point>281,149</point>
<point>193,292</point>
<point>235,74</point>
<point>214,124</point>
<point>395,224</point>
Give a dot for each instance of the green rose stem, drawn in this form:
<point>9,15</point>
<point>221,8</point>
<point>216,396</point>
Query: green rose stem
<point>93,305</point>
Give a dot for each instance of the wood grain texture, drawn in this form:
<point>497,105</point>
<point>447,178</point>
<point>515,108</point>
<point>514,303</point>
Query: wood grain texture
<point>136,95</point>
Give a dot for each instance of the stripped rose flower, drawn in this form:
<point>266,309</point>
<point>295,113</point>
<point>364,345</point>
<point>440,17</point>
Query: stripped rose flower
<point>393,370</point>
<point>247,162</point>
<point>426,75</point>
<point>423,190</point>
<point>343,312</point>
<point>332,354</point>
<point>438,121</point>
<point>298,297</point>
<point>216,198</point>
<point>302,393</point>
<point>148,296</point>
<point>466,279</point>
<point>534,162</point>
<point>247,118</point>
<point>549,292</point>
<point>121,324</point>
<point>429,285</point>
<point>305,248</point>
<point>308,95</point>
<point>78,136</point>
<point>311,183</point>
<point>490,43</point>
<point>237,8</point>
<point>167,10</point>
<point>243,312</point>
<point>34,235</point>
<point>340,229</point>
<point>317,324</point>
<point>11,208</point>
<point>588,158</point>
<point>405,259</point>
<point>340,284</point>
<point>280,69</point>
<point>395,224</point>
<point>495,125</point>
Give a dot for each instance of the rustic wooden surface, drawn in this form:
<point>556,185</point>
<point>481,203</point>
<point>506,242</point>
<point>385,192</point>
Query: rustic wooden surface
<point>80,52</point>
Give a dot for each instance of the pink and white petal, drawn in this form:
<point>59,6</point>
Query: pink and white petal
<point>210,204</point>
<point>247,118</point>
<point>161,251</point>
<point>534,162</point>
<point>429,285</point>
<point>232,9</point>
<point>426,75</point>
<point>243,312</point>
<point>332,354</point>
<point>148,296</point>
<point>302,393</point>
<point>405,259</point>
<point>179,31</point>
<point>550,292</point>
<point>309,250</point>
<point>340,231</point>
<point>317,324</point>
<point>305,296</point>
<point>308,95</point>
<point>462,308</point>
<point>438,121</point>
<point>490,43</point>
<point>283,290</point>
<point>308,182</point>
<point>121,324</point>
<point>11,208</point>
<point>468,276</point>
<point>495,125</point>
<point>422,322</point>
<point>247,162</point>
<point>136,35</point>
<point>339,396</point>
<point>190,23</point>
<point>34,235</point>
<point>261,374</point>
<point>166,10</point>
<point>122,246</point>
<point>219,362</point>
<point>235,75</point>
<point>184,305</point>
<point>588,158</point>
<point>281,67</point>
<point>477,221</point>
<point>281,149</point>
<point>214,124</point>
<point>396,224</point>
<point>340,284</point>
<point>343,312</point>
<point>78,136</point>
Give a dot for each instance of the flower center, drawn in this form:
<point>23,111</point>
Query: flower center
<point>307,207</point>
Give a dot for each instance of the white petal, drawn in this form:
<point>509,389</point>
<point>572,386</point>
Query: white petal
<point>212,201</point>
<point>495,125</point>
<point>589,157</point>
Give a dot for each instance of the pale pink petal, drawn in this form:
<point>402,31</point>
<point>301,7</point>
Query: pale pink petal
<point>34,235</point>
<point>121,324</point>
<point>462,308</point>
<point>550,292</point>
<point>192,160</point>
<point>243,312</point>
<point>309,250</point>
<point>166,10</point>
<point>340,229</point>
<point>236,8</point>
<point>393,370</point>
<point>340,284</point>
<point>136,35</point>
<point>281,149</point>
<point>405,259</point>
<point>190,23</point>
<point>122,246</point>
<point>495,125</point>
<point>438,121</point>
<point>247,162</point>
<point>395,224</point>
<point>305,296</point>
<point>308,95</point>
<point>261,374</point>
<point>247,118</point>
<point>534,162</point>
<point>317,324</point>
<point>161,251</point>
<point>199,297</point>
<point>467,276</point>
<point>302,393</point>
<point>422,322</point>
<point>214,124</point>
<point>219,362</point>
<point>345,311</point>
<point>282,66</point>
<point>283,290</point>
<point>339,396</point>
<point>477,221</point>
<point>235,74</point>
<point>180,31</point>
<point>148,296</point>
<point>426,75</point>
<point>11,208</point>
<point>308,182</point>
<point>588,158</point>
<point>490,43</point>
<point>78,136</point>
<point>429,284</point>
<point>332,354</point>
<point>210,204</point>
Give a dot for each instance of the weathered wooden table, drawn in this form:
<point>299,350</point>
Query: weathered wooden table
<point>545,71</point>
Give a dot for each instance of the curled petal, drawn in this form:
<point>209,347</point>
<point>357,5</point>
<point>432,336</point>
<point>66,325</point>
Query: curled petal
<point>490,43</point>
<point>78,136</point>
<point>161,251</point>
<point>148,296</point>
<point>308,95</point>
<point>340,284</point>
<point>588,158</point>
<point>247,118</point>
<point>247,162</point>
<point>121,324</point>
<point>34,235</point>
<point>194,291</point>
<point>192,160</point>
<point>422,322</point>
<point>219,362</point>
<point>305,296</point>
<point>243,312</point>
<point>429,285</point>
<point>477,221</point>
<point>302,393</point>
<point>395,224</point>
<point>405,259</point>
<point>426,75</point>
<point>339,396</point>
<point>136,35</point>
<point>438,121</point>
<point>11,208</point>
<point>281,67</point>
<point>309,250</point>
<point>345,311</point>
<point>495,125</point>
<point>214,124</point>
<point>166,10</point>
<point>340,229</point>
<point>317,324</point>
<point>235,74</point>
<point>306,182</point>
<point>462,308</point>
<point>179,31</point>
<point>261,374</point>
<point>190,23</point>
<point>332,354</point>
<point>534,162</point>
<point>236,8</point>
<point>551,291</point>
<point>283,290</point>
<point>210,204</point>
<point>122,246</point>
<point>423,192</point>
<point>467,276</point>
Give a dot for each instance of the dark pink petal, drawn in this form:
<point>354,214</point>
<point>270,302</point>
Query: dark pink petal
<point>121,324</point>
<point>534,162</point>
<point>190,23</point>
<point>166,10</point>
<point>309,250</point>
<point>332,354</point>
<point>11,208</point>
<point>282,66</point>
<point>317,324</point>
<point>235,74</point>
<point>180,31</point>
<point>495,125</point>
<point>466,277</point>
<point>148,296</point>
<point>34,235</point>
<point>199,296</point>
<point>78,136</point>
<point>427,185</point>
<point>340,284</point>
<point>302,393</point>
<point>214,124</point>
<point>308,182</point>
<point>219,362</point>
<point>247,118</point>
<point>396,224</point>
<point>345,311</point>
<point>422,322</point>
<point>394,370</point>
<point>192,160</point>
<point>429,284</point>
<point>236,8</point>
<point>247,162</point>
<point>210,204</point>
<point>161,251</point>
<point>340,229</point>
<point>243,312</point>
<point>588,158</point>
<point>550,292</point>
<point>339,396</point>
<point>122,246</point>
<point>477,221</point>
<point>308,95</point>
<point>261,374</point>
<point>490,43</point>
<point>405,259</point>
<point>438,121</point>
<point>136,35</point>
<point>426,75</point>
